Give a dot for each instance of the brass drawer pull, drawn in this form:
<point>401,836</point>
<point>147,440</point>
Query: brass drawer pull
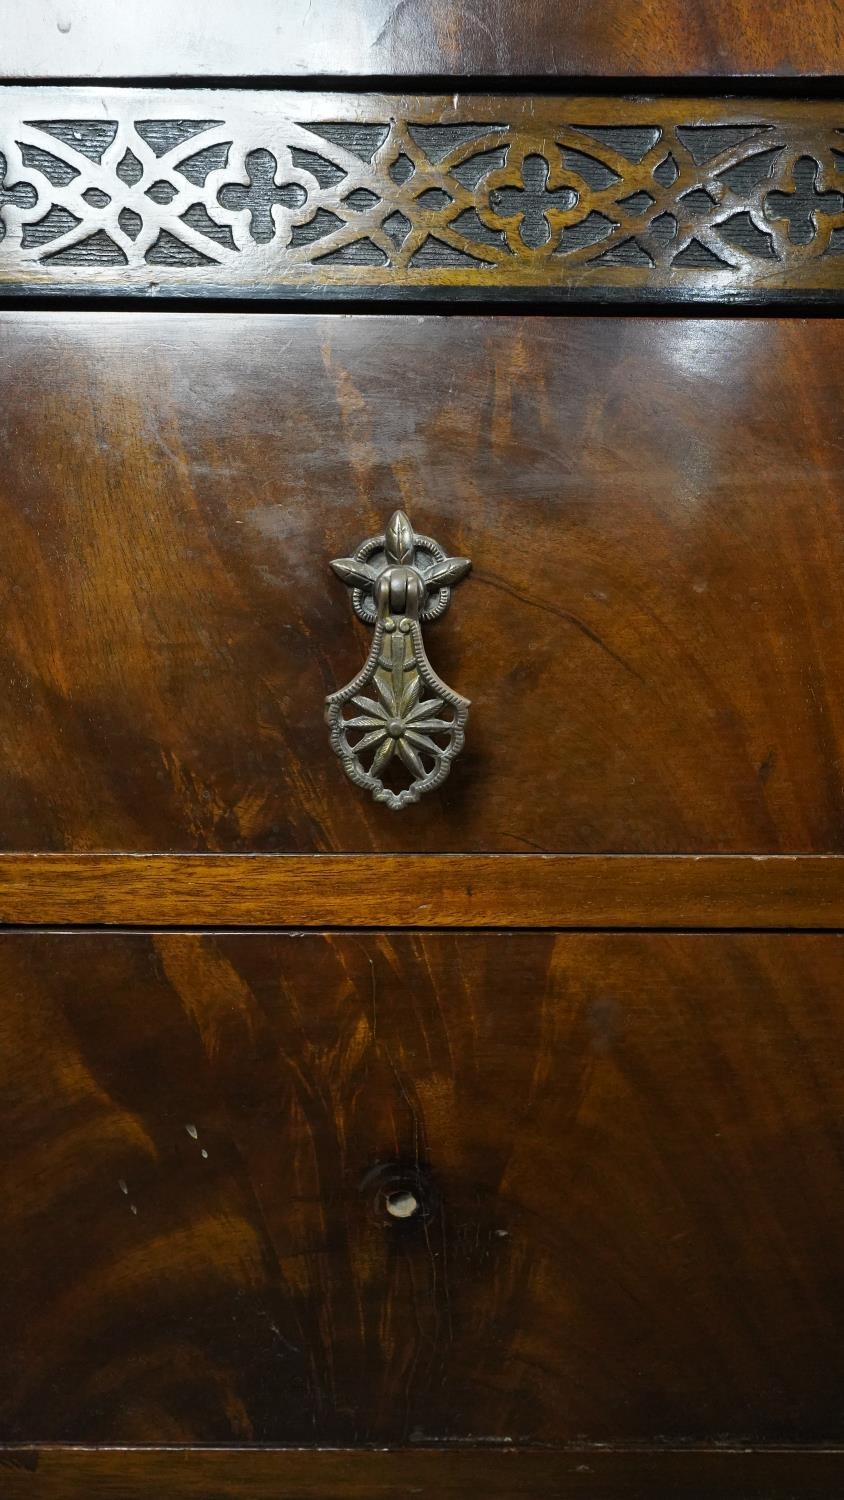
<point>398,580</point>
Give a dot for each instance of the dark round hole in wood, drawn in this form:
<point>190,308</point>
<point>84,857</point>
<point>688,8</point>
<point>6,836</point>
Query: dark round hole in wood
<point>401,1195</point>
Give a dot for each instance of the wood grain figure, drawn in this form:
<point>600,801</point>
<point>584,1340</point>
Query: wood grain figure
<point>625,1152</point>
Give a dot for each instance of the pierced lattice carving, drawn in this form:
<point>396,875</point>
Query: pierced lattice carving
<point>286,191</point>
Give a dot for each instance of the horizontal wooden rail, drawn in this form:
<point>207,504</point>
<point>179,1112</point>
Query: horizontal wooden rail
<point>496,1472</point>
<point>449,890</point>
<point>274,193</point>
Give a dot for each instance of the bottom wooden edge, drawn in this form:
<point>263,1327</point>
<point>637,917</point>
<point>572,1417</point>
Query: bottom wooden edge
<point>488,1473</point>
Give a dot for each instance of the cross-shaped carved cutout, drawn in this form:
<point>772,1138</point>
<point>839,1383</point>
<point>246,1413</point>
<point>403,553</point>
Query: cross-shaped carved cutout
<point>22,194</point>
<point>531,202</point>
<point>261,194</point>
<point>800,206</point>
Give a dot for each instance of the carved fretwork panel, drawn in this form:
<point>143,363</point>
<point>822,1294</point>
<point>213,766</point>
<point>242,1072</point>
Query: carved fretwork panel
<point>283,192</point>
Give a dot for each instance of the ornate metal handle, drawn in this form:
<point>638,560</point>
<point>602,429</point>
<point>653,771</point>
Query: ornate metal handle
<point>398,580</point>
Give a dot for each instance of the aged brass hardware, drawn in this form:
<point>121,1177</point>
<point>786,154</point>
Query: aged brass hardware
<point>398,580</point>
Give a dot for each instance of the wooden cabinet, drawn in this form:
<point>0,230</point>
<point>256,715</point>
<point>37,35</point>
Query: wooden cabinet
<point>490,1143</point>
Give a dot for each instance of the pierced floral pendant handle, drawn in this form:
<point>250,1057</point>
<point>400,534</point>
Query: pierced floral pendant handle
<point>397,721</point>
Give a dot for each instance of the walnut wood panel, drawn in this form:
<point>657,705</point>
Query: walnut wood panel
<point>424,891</point>
<point>626,1152</point>
<point>652,636</point>
<point>93,38</point>
<point>352,194</point>
<point>356,1474</point>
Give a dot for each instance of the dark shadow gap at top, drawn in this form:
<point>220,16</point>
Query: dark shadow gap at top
<point>622,86</point>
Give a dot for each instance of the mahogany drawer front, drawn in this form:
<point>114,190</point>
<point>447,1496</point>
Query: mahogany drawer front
<point>627,1150</point>
<point>652,636</point>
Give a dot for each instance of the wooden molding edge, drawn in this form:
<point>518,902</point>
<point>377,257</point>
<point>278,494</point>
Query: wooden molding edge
<point>496,1472</point>
<point>430,890</point>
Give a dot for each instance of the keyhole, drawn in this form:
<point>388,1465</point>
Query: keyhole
<point>401,1204</point>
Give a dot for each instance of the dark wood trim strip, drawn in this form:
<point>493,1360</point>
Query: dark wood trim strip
<point>205,192</point>
<point>450,890</point>
<point>496,1473</point>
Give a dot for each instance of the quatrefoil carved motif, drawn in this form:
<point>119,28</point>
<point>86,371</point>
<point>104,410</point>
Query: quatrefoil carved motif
<point>799,206</point>
<point>260,193</point>
<point>531,202</point>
